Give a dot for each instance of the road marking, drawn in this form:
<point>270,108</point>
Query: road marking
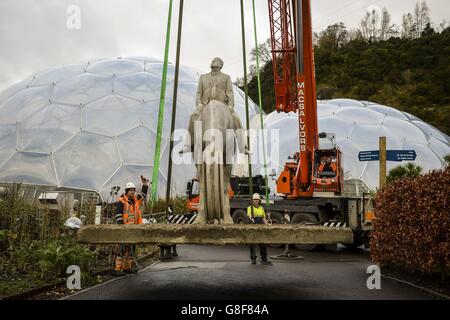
<point>418,287</point>
<point>188,264</point>
<point>107,282</point>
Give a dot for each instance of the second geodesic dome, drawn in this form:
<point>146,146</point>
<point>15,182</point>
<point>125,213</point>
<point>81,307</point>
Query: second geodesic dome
<point>358,126</point>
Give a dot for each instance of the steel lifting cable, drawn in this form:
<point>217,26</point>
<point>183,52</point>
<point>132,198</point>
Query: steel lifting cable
<point>161,112</point>
<point>244,60</point>
<point>266,178</point>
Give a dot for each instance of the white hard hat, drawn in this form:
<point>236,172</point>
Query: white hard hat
<point>256,196</point>
<point>73,223</point>
<point>130,185</point>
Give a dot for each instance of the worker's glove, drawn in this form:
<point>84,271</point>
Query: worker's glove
<point>144,180</point>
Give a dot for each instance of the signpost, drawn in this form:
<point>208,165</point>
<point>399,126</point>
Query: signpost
<point>401,155</point>
<point>373,155</point>
<point>382,147</point>
<point>382,155</point>
<point>391,155</point>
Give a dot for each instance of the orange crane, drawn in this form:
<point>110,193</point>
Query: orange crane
<point>295,90</point>
<point>310,187</point>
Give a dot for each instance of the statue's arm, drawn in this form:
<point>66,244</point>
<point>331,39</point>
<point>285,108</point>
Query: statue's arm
<point>199,92</point>
<point>229,92</point>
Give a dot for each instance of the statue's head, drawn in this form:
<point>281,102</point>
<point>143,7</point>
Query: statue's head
<point>216,64</point>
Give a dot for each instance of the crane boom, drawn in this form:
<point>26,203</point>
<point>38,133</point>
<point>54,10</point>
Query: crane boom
<point>295,84</point>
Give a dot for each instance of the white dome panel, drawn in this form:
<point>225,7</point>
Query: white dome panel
<point>86,161</point>
<point>108,67</point>
<point>29,168</point>
<point>49,128</point>
<point>24,103</point>
<point>8,141</point>
<point>83,88</point>
<point>346,102</point>
<point>406,130</point>
<point>388,111</point>
<point>360,115</point>
<point>142,142</point>
<point>56,74</point>
<point>141,86</point>
<point>122,115</point>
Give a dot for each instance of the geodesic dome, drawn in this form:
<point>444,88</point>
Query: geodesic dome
<point>357,126</point>
<point>93,126</point>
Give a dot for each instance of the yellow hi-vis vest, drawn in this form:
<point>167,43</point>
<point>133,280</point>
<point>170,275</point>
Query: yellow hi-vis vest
<point>257,212</point>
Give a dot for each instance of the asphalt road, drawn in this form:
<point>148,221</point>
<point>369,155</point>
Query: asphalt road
<point>207,272</point>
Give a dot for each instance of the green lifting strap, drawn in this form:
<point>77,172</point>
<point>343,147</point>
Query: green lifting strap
<point>260,104</point>
<point>161,112</point>
<point>247,117</point>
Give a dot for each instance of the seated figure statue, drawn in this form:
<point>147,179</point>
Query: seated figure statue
<point>214,85</point>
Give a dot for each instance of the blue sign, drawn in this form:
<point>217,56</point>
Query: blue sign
<point>401,155</point>
<point>391,155</point>
<point>373,155</point>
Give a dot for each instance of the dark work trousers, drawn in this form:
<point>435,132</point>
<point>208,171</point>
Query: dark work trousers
<point>262,247</point>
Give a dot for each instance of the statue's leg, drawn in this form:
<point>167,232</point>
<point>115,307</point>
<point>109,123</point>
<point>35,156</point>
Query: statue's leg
<point>201,206</point>
<point>226,203</point>
<point>240,133</point>
<point>189,142</point>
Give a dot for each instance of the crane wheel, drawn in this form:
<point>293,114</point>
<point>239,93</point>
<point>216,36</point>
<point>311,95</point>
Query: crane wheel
<point>240,217</point>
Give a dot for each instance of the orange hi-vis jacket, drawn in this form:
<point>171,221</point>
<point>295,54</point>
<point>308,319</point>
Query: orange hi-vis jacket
<point>131,210</point>
<point>322,166</point>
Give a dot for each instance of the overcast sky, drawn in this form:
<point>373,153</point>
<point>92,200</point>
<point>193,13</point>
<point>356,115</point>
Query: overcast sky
<point>34,34</point>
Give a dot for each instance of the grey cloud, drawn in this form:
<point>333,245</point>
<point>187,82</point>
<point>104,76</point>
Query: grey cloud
<point>33,34</point>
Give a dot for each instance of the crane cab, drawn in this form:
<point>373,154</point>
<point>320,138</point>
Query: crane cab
<point>328,175</point>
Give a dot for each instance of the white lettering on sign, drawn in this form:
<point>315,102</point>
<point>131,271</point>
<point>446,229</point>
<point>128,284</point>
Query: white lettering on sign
<point>301,115</point>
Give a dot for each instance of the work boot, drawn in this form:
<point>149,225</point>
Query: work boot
<point>165,254</point>
<point>266,262</point>
<point>174,251</point>
<point>118,273</point>
<point>132,270</point>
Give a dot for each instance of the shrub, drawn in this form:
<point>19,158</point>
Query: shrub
<point>52,258</point>
<point>412,223</point>
<point>409,170</point>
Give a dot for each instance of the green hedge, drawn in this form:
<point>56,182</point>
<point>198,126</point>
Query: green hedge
<point>412,223</point>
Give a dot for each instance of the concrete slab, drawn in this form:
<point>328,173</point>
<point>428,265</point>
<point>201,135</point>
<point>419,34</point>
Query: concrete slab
<point>213,234</point>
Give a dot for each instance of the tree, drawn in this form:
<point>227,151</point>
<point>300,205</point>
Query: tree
<point>415,23</point>
<point>334,37</point>
<point>409,170</point>
<point>385,24</point>
<point>374,27</point>
<point>265,54</point>
<point>239,82</point>
<point>421,17</point>
<point>407,25</point>
<point>447,159</point>
<point>443,25</point>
